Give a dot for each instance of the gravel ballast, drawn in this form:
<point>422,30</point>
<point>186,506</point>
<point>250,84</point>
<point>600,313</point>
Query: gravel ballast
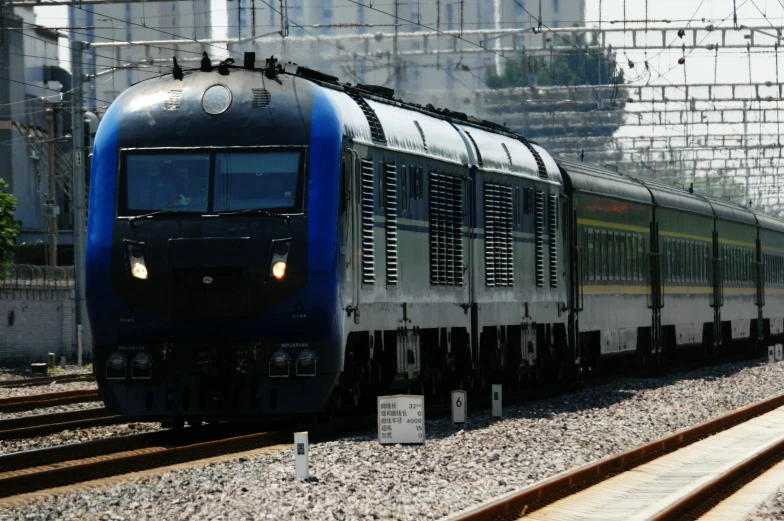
<point>54,387</point>
<point>22,373</point>
<point>77,436</point>
<point>356,478</point>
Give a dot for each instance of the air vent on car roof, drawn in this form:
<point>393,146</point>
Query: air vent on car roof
<point>376,130</point>
<point>172,101</point>
<point>537,157</point>
<point>261,98</point>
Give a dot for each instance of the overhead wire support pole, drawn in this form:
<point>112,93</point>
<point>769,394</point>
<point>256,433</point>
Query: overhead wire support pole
<point>79,189</point>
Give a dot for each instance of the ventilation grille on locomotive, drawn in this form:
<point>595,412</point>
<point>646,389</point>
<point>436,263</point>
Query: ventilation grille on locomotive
<point>537,157</point>
<point>390,196</point>
<point>376,130</point>
<point>261,98</point>
<point>539,238</point>
<point>446,230</point>
<point>499,241</point>
<point>552,228</point>
<point>172,101</point>
<point>368,259</point>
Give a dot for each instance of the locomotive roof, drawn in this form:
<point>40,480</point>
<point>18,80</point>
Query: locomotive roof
<point>439,133</point>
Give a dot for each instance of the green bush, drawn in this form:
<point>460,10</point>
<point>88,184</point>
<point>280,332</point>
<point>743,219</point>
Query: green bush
<point>9,228</point>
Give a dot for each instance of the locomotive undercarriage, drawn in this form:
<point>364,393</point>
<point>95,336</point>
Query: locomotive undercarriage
<point>433,362</point>
<point>211,382</point>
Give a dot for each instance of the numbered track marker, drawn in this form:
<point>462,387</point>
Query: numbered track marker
<point>497,397</point>
<point>401,419</point>
<point>301,455</point>
<point>459,406</point>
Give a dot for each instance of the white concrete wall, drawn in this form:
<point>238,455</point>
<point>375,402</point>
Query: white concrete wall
<point>43,323</point>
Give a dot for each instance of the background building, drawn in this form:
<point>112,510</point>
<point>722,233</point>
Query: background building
<point>362,43</point>
<point>140,21</point>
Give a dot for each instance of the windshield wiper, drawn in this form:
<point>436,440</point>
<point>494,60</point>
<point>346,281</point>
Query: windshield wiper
<point>255,211</point>
<point>152,214</point>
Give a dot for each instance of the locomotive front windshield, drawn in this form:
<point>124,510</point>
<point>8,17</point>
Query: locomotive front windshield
<point>211,182</point>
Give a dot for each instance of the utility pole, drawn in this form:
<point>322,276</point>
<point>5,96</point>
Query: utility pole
<point>52,190</point>
<point>79,203</point>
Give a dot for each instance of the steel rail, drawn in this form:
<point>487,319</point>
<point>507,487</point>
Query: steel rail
<point>40,401</point>
<point>56,466</point>
<point>544,493</point>
<point>46,380</point>
<point>45,424</point>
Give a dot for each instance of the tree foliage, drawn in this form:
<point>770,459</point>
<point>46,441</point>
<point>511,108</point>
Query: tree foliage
<point>577,66</point>
<point>9,228</point>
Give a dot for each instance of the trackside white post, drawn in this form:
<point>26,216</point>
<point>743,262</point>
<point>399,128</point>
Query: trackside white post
<point>497,397</point>
<point>459,406</point>
<point>779,352</point>
<point>301,454</point>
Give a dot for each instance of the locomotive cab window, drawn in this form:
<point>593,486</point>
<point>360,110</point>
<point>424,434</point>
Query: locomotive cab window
<point>172,181</point>
<point>190,181</point>
<point>253,180</point>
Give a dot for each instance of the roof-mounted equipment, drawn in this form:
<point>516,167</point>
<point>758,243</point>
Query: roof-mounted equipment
<point>271,68</point>
<point>311,74</point>
<point>223,67</point>
<point>206,63</point>
<point>378,90</point>
<point>249,60</point>
<point>177,70</point>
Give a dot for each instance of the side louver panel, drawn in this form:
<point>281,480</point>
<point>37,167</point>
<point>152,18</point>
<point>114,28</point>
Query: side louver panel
<point>368,259</point>
<point>390,197</point>
<point>539,237</point>
<point>552,230</point>
<point>499,241</point>
<point>446,230</point>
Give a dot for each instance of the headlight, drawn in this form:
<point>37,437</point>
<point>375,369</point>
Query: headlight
<point>141,367</point>
<point>279,363</point>
<point>306,363</point>
<point>136,260</point>
<point>278,270</point>
<point>116,366</point>
<point>139,270</point>
<point>280,255</point>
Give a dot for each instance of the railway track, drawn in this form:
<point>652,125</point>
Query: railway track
<point>66,464</point>
<point>30,471</point>
<point>46,424</point>
<point>40,401</point>
<point>715,459</point>
<point>46,380</point>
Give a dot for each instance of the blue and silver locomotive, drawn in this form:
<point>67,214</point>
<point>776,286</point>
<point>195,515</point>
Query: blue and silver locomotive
<point>272,241</point>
